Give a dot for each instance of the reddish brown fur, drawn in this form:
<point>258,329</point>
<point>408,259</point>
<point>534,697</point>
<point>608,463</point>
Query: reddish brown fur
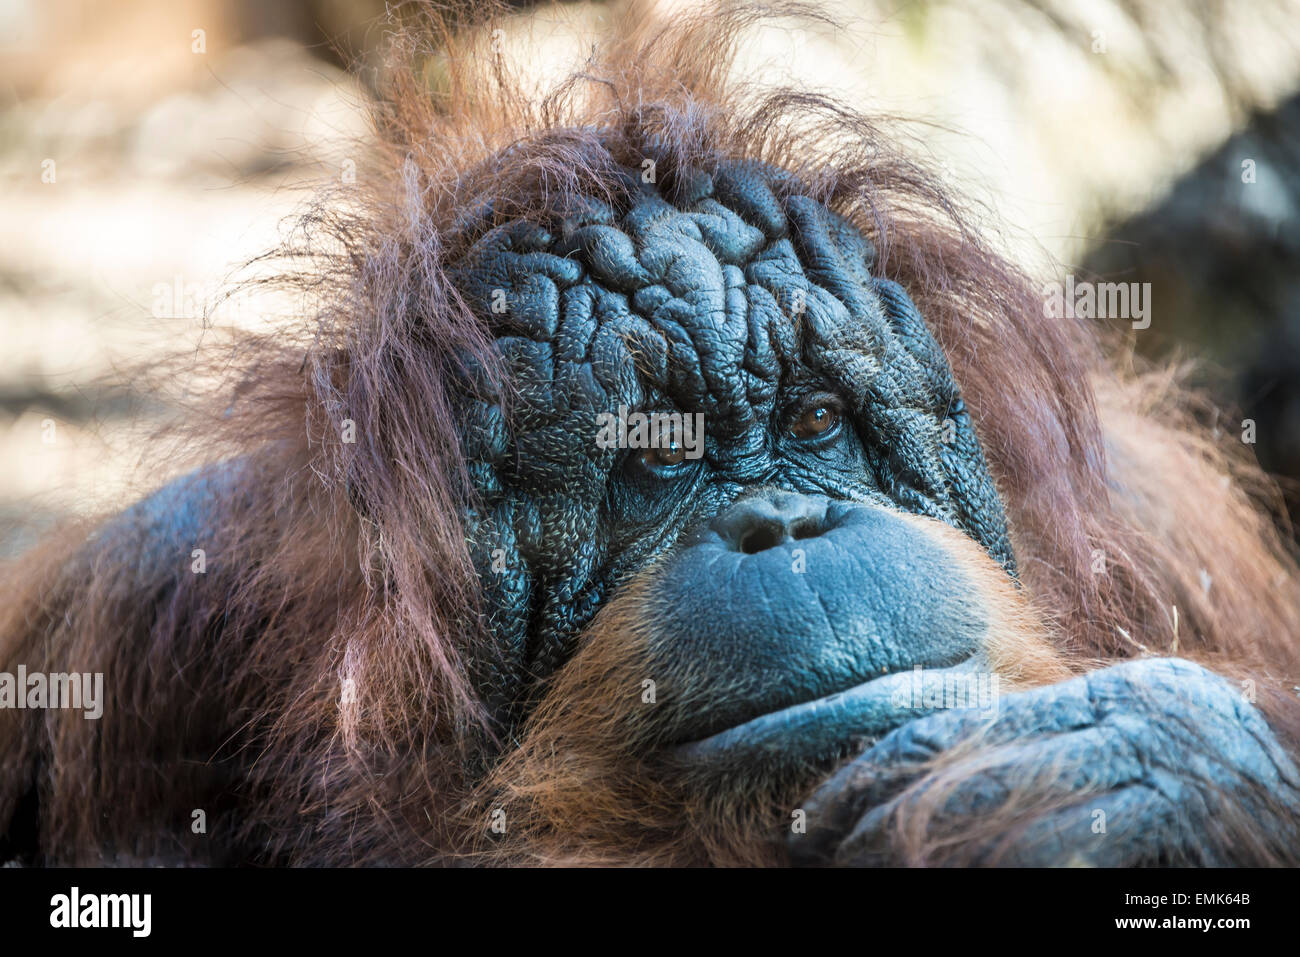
<point>336,561</point>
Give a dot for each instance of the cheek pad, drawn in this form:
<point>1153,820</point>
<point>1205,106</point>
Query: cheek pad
<point>704,303</point>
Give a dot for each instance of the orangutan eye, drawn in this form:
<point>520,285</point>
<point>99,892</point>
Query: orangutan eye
<point>817,420</point>
<point>671,452</point>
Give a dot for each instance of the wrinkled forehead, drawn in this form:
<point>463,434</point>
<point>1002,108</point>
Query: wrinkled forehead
<point>701,304</point>
<point>712,302</point>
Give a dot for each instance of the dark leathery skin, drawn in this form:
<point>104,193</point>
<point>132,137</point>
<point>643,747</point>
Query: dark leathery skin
<point>730,300</point>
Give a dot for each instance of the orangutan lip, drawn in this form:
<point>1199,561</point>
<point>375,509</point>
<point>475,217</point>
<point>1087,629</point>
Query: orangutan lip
<point>864,712</point>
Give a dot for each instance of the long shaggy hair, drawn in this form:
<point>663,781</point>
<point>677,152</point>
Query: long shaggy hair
<point>310,690</point>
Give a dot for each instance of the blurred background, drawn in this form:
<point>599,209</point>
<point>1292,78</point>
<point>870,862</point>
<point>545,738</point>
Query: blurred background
<point>148,148</point>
